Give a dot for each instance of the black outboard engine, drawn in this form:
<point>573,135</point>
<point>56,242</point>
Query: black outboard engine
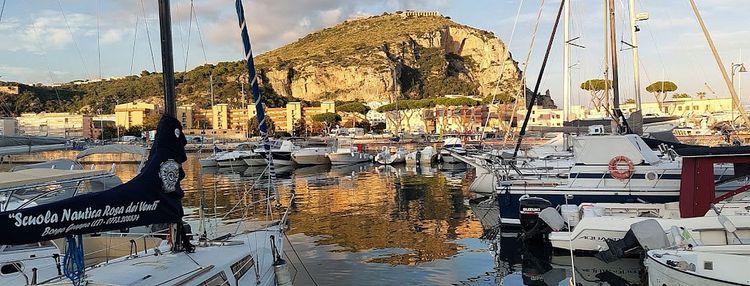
<point>529,209</point>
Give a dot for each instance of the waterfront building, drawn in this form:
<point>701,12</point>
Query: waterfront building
<point>684,107</point>
<point>546,117</point>
<point>57,124</point>
<point>185,115</point>
<point>220,115</point>
<point>8,126</point>
<point>132,113</point>
<point>373,116</point>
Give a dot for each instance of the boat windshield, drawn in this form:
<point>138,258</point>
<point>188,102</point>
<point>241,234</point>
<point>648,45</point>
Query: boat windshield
<point>29,188</point>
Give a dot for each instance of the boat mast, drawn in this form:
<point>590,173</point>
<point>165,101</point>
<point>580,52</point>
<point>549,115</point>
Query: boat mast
<point>613,51</point>
<point>170,107</point>
<point>167,59</point>
<point>566,62</point>
<point>636,59</point>
<point>637,116</point>
<point>723,70</point>
<point>534,95</point>
<point>605,102</point>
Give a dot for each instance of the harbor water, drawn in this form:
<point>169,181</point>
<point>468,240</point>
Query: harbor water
<point>382,225</point>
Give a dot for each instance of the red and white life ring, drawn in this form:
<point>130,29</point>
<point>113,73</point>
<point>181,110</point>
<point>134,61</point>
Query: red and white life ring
<point>621,174</point>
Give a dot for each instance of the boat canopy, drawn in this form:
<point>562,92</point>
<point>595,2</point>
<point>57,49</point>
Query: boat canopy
<point>113,149</point>
<point>600,149</point>
<point>60,164</point>
<point>31,177</point>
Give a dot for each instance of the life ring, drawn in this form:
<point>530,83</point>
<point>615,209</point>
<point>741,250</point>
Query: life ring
<point>618,173</point>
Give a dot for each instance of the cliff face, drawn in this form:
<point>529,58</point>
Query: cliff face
<point>375,58</point>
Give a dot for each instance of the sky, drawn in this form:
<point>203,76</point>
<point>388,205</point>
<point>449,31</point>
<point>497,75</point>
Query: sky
<point>52,41</point>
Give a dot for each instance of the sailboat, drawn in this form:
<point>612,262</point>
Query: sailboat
<point>249,255</point>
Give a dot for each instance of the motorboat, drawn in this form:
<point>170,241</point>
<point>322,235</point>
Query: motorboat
<point>210,160</point>
<point>606,169</point>
<point>386,157</point>
<point>281,151</point>
<point>236,158</point>
<point>313,154</point>
<point>346,154</point>
<point>698,211</point>
<point>424,156</point>
<point>451,145</point>
<point>698,266</point>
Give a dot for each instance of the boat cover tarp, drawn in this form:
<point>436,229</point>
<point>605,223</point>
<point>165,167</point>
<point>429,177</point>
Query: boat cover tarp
<point>702,151</point>
<point>9,141</point>
<point>30,177</point>
<point>152,197</point>
<point>650,234</point>
<point>655,142</point>
<point>112,149</point>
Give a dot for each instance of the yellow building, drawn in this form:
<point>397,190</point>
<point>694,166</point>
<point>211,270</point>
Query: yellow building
<point>293,114</point>
<point>132,113</point>
<point>220,115</point>
<point>185,115</point>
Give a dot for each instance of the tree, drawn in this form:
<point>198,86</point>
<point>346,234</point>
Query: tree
<point>599,89</point>
<point>136,131</point>
<point>660,90</point>
<point>109,132</point>
<point>254,130</point>
<point>353,107</point>
<point>328,119</point>
<point>681,95</point>
<point>630,101</point>
<point>151,121</point>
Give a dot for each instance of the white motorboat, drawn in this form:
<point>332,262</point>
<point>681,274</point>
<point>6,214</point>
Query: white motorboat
<point>699,266</point>
<point>346,154</point>
<point>210,160</point>
<point>451,145</point>
<point>423,156</point>
<point>697,211</point>
<point>313,154</point>
<point>591,234</point>
<point>607,169</point>
<point>386,157</point>
<point>281,151</point>
<point>237,157</point>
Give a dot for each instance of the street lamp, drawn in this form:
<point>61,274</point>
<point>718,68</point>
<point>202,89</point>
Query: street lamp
<point>737,67</point>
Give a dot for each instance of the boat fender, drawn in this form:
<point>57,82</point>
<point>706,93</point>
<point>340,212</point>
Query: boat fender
<point>618,173</point>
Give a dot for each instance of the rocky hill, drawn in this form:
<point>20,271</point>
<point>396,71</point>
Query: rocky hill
<point>368,59</point>
<point>376,57</point>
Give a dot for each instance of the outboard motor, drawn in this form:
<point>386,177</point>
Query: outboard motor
<point>529,209</point>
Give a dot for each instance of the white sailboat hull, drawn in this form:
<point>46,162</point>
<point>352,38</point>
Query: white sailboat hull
<point>236,261</point>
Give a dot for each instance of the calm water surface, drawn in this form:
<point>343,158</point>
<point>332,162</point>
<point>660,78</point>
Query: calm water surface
<point>383,225</point>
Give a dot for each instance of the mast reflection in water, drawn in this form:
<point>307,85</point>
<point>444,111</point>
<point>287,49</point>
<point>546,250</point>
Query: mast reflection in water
<point>383,225</point>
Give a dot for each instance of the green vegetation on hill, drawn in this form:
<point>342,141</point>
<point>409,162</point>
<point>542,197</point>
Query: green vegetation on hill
<point>354,37</point>
<point>380,42</point>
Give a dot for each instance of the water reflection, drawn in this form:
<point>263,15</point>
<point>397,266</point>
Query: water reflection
<point>376,225</point>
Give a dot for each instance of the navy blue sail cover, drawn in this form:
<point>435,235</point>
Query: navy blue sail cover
<point>152,197</point>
